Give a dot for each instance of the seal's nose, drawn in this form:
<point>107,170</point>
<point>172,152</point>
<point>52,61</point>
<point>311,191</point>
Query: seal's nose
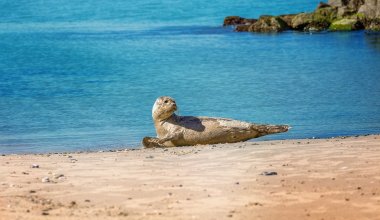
<point>174,105</point>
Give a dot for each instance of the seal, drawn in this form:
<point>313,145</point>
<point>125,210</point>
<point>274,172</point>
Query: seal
<point>173,130</point>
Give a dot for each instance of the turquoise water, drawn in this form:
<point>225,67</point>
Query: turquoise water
<point>83,75</point>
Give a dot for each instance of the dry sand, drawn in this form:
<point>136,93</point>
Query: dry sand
<point>316,179</point>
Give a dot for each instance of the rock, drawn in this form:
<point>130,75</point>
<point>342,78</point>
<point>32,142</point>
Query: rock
<point>236,20</point>
<point>45,179</point>
<point>356,4</point>
<point>232,20</point>
<point>325,15</point>
<point>371,9</point>
<point>34,166</point>
<point>373,25</point>
<point>319,20</point>
<point>337,3</point>
<point>268,24</point>
<point>269,173</point>
<point>352,4</point>
<point>345,12</point>
<point>316,26</point>
<point>300,21</point>
<point>346,24</point>
<point>323,5</point>
<point>242,28</point>
<point>288,18</point>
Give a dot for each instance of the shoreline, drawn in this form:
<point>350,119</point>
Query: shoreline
<point>140,147</point>
<point>334,178</point>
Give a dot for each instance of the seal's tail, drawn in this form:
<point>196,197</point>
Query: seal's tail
<point>270,129</point>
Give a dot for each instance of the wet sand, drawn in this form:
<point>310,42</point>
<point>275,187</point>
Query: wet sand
<point>335,178</point>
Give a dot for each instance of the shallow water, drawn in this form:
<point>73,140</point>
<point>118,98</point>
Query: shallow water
<point>84,75</point>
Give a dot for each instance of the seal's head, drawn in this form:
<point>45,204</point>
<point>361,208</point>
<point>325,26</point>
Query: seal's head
<point>163,108</point>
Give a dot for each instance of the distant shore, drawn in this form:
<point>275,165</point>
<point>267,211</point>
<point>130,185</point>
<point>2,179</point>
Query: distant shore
<point>336,178</point>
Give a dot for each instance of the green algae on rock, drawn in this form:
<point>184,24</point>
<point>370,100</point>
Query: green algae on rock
<point>346,24</point>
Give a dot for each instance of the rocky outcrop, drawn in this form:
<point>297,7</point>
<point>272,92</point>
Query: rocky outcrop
<point>236,20</point>
<point>336,15</point>
<point>268,24</point>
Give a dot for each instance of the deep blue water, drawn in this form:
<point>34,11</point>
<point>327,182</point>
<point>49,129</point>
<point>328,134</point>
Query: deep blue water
<point>83,75</point>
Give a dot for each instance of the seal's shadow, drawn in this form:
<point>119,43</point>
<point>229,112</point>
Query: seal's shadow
<point>191,122</point>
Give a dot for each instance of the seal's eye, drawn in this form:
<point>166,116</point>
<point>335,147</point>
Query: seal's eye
<point>166,101</point>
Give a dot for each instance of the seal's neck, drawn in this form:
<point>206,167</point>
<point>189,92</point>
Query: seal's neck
<point>172,118</point>
<point>163,116</point>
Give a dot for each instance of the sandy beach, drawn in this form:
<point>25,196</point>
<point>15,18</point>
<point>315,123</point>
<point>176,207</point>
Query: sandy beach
<point>337,178</point>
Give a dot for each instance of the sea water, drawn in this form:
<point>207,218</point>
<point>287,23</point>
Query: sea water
<point>83,75</point>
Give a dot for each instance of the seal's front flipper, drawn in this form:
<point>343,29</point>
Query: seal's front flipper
<point>150,142</point>
<point>169,137</point>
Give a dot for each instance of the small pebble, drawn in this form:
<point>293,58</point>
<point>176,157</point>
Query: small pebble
<point>149,157</point>
<point>32,191</point>
<point>35,166</point>
<point>87,200</point>
<point>269,173</point>
<point>58,175</point>
<point>45,179</point>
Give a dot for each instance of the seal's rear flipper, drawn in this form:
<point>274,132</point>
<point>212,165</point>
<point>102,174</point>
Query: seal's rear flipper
<point>270,129</point>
